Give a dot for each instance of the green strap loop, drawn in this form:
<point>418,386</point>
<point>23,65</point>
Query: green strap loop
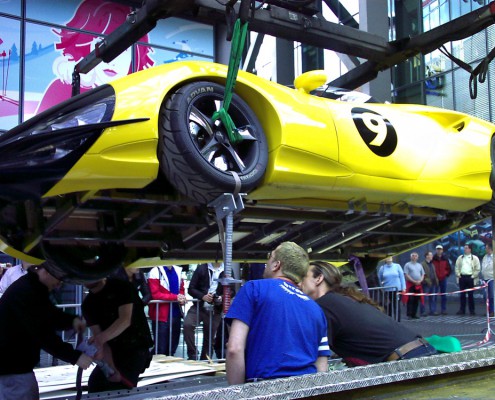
<point>238,41</point>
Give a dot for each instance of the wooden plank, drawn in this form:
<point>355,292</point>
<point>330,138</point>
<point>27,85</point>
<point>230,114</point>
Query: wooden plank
<point>62,377</point>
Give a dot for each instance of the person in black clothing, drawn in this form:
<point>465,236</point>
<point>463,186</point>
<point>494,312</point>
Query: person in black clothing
<point>137,279</point>
<point>28,323</point>
<point>115,314</point>
<point>358,331</point>
<point>208,310</point>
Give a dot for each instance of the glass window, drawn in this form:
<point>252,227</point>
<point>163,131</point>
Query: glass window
<point>491,88</point>
<point>463,102</point>
<point>91,15</point>
<point>472,48</point>
<point>434,18</point>
<point>439,91</point>
<point>444,13</point>
<point>490,34</point>
<point>426,23</point>
<point>9,59</point>
<point>10,7</point>
<point>410,95</point>
<point>455,9</point>
<point>465,7</point>
<point>183,35</point>
<point>477,4</point>
<point>164,56</point>
<point>408,72</point>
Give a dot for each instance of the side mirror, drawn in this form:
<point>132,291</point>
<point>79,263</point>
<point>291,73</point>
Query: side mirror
<point>310,80</point>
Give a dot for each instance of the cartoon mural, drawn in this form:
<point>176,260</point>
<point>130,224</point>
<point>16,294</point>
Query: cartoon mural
<point>55,39</point>
<point>94,16</point>
<point>9,60</point>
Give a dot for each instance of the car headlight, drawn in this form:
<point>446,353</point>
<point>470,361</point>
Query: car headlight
<point>73,125</point>
<point>92,114</point>
<point>79,113</point>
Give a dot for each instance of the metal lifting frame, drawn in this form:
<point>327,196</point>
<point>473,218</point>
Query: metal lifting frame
<point>291,25</point>
<point>226,206</point>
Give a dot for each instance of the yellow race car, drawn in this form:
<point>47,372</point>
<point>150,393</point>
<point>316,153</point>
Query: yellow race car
<point>126,171</point>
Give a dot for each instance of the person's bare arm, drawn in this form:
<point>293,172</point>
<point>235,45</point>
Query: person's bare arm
<point>322,364</point>
<point>235,362</point>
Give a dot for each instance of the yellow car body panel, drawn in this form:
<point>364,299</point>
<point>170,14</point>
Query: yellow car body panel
<point>319,170</point>
<point>315,150</point>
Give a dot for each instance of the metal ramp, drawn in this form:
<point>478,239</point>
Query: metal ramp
<point>339,383</point>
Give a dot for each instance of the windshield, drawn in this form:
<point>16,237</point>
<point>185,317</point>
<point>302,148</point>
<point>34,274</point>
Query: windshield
<point>350,96</point>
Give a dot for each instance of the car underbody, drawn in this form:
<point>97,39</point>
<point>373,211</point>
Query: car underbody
<point>173,228</point>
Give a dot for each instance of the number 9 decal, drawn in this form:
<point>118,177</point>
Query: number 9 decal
<point>377,132</point>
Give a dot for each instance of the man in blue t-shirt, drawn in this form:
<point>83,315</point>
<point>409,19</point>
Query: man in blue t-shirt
<point>277,330</point>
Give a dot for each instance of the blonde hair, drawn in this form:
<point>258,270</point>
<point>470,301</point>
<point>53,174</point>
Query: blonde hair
<point>293,259</point>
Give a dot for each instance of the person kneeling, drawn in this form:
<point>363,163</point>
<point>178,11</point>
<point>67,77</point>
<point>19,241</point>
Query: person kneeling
<point>358,331</point>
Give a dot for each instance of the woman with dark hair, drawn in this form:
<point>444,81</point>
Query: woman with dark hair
<point>358,331</point>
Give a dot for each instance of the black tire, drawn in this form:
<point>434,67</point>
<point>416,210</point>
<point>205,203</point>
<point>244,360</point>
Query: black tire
<point>197,156</point>
<point>490,206</point>
<point>78,265</point>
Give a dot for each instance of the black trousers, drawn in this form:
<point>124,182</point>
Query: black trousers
<point>466,282</point>
<point>412,302</point>
<point>130,363</point>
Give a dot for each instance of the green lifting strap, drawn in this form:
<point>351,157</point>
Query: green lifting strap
<point>238,41</point>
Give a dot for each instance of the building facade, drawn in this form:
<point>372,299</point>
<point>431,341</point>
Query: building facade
<point>433,79</point>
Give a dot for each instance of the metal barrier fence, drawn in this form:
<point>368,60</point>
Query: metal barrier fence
<point>216,339</point>
<point>216,344</point>
<point>77,307</point>
<point>389,298</point>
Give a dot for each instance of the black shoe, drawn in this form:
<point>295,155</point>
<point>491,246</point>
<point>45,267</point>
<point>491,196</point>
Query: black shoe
<point>445,313</point>
<point>425,315</point>
<point>415,317</point>
<point>460,312</point>
<point>472,313</point>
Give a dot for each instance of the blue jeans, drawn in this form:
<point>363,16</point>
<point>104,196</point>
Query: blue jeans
<point>421,351</point>
<point>166,344</point>
<point>443,289</point>
<point>432,300</point>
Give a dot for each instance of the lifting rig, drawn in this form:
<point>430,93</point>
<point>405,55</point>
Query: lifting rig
<point>300,21</point>
<point>297,21</point>
<point>284,19</point>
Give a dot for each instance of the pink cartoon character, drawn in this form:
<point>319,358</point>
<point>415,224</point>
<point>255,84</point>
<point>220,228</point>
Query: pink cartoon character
<point>95,16</point>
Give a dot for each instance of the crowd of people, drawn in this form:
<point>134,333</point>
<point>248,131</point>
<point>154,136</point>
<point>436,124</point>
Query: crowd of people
<point>421,284</point>
<point>316,315</point>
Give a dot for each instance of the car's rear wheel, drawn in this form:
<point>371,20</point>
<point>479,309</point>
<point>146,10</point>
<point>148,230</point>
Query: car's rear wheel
<point>490,207</point>
<point>77,265</point>
<point>195,152</point>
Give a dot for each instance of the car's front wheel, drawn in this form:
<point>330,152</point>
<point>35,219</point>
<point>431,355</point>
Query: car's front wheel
<point>195,151</point>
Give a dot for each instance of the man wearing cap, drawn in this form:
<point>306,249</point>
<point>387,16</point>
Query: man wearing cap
<point>443,270</point>
<point>28,323</point>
